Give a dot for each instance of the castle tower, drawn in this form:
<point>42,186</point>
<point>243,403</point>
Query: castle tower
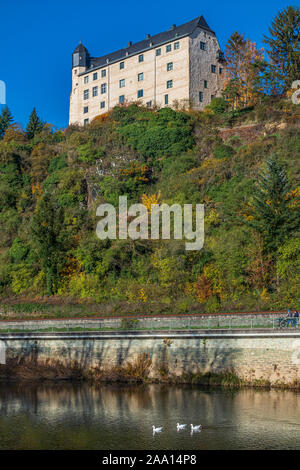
<point>80,62</point>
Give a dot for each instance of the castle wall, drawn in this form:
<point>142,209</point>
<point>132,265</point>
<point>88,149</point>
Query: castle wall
<point>200,68</point>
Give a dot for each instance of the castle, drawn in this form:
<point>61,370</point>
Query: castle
<point>182,66</point>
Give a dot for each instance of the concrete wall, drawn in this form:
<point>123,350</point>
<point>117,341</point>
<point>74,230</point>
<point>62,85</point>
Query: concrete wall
<point>271,356</point>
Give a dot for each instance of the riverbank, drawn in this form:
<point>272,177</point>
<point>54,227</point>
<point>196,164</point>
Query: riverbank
<point>136,372</point>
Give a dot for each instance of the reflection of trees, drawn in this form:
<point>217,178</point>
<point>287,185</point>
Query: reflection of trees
<point>69,415</point>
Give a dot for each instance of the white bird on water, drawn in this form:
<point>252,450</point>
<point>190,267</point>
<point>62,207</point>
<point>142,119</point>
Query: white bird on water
<point>157,429</point>
<point>197,427</point>
<point>180,426</point>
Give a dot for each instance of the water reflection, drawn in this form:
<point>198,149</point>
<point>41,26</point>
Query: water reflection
<point>80,416</point>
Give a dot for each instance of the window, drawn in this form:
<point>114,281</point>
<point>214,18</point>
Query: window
<point>102,104</point>
<point>158,51</point>
<point>170,84</point>
<point>202,46</point>
<point>149,104</point>
<point>95,76</point>
<point>86,79</point>
<point>213,69</point>
<point>103,88</point>
<point>176,46</point>
<point>212,97</point>
<point>103,73</point>
<point>141,58</point>
<point>140,93</point>
<point>220,70</point>
<point>121,99</point>
<point>86,121</point>
<point>140,77</point>
<point>122,83</point>
<point>200,96</point>
<point>205,83</point>
<point>85,109</point>
<point>86,94</point>
<point>169,48</point>
<point>95,91</point>
<point>166,99</point>
<point>169,66</point>
<point>122,65</point>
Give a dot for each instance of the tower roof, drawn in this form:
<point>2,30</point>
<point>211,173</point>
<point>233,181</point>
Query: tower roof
<point>80,48</point>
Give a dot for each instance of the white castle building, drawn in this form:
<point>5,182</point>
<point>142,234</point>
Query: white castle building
<point>181,67</point>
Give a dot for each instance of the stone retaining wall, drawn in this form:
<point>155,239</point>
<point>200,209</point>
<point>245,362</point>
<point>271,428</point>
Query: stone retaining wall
<point>265,356</point>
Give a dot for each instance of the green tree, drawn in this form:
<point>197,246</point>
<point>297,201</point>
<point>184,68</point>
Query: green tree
<point>284,46</point>
<point>35,125</point>
<point>47,231</point>
<point>274,216</point>
<point>5,120</point>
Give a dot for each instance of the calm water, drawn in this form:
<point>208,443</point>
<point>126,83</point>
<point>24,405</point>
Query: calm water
<point>68,416</point>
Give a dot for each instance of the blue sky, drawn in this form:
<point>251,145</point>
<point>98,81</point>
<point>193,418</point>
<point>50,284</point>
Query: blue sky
<point>37,40</point>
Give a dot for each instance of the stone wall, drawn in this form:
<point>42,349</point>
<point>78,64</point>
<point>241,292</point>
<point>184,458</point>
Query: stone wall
<point>264,356</point>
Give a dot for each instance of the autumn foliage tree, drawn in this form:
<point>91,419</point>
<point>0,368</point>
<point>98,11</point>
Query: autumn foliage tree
<point>243,59</point>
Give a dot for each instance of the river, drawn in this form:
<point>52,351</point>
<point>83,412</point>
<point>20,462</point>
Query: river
<point>110,417</point>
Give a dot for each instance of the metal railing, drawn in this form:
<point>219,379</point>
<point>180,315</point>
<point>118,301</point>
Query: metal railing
<point>216,322</point>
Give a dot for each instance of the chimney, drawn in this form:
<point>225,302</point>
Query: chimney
<point>129,43</point>
<point>148,36</point>
<point>173,27</point>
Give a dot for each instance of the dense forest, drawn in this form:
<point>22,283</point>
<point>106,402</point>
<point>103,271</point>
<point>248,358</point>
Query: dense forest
<point>240,157</point>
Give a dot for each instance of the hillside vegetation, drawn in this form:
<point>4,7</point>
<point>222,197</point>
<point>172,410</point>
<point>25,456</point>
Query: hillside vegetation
<point>243,165</point>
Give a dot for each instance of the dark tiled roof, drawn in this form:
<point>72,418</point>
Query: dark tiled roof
<point>176,32</point>
<point>80,48</point>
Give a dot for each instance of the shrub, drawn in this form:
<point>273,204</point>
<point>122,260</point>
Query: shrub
<point>223,151</point>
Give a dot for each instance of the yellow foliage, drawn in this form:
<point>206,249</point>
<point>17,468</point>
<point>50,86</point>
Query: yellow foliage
<point>150,199</point>
<point>143,295</point>
<point>264,294</point>
<point>36,189</point>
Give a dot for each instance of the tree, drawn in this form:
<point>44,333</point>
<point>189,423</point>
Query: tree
<point>275,208</point>
<point>242,70</point>
<point>5,120</point>
<point>35,125</point>
<point>47,231</point>
<point>284,49</point>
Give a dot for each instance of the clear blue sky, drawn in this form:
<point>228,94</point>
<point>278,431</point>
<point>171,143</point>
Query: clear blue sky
<point>37,40</point>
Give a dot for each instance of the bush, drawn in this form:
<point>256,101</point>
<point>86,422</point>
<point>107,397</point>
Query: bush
<point>218,105</point>
<point>223,151</point>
